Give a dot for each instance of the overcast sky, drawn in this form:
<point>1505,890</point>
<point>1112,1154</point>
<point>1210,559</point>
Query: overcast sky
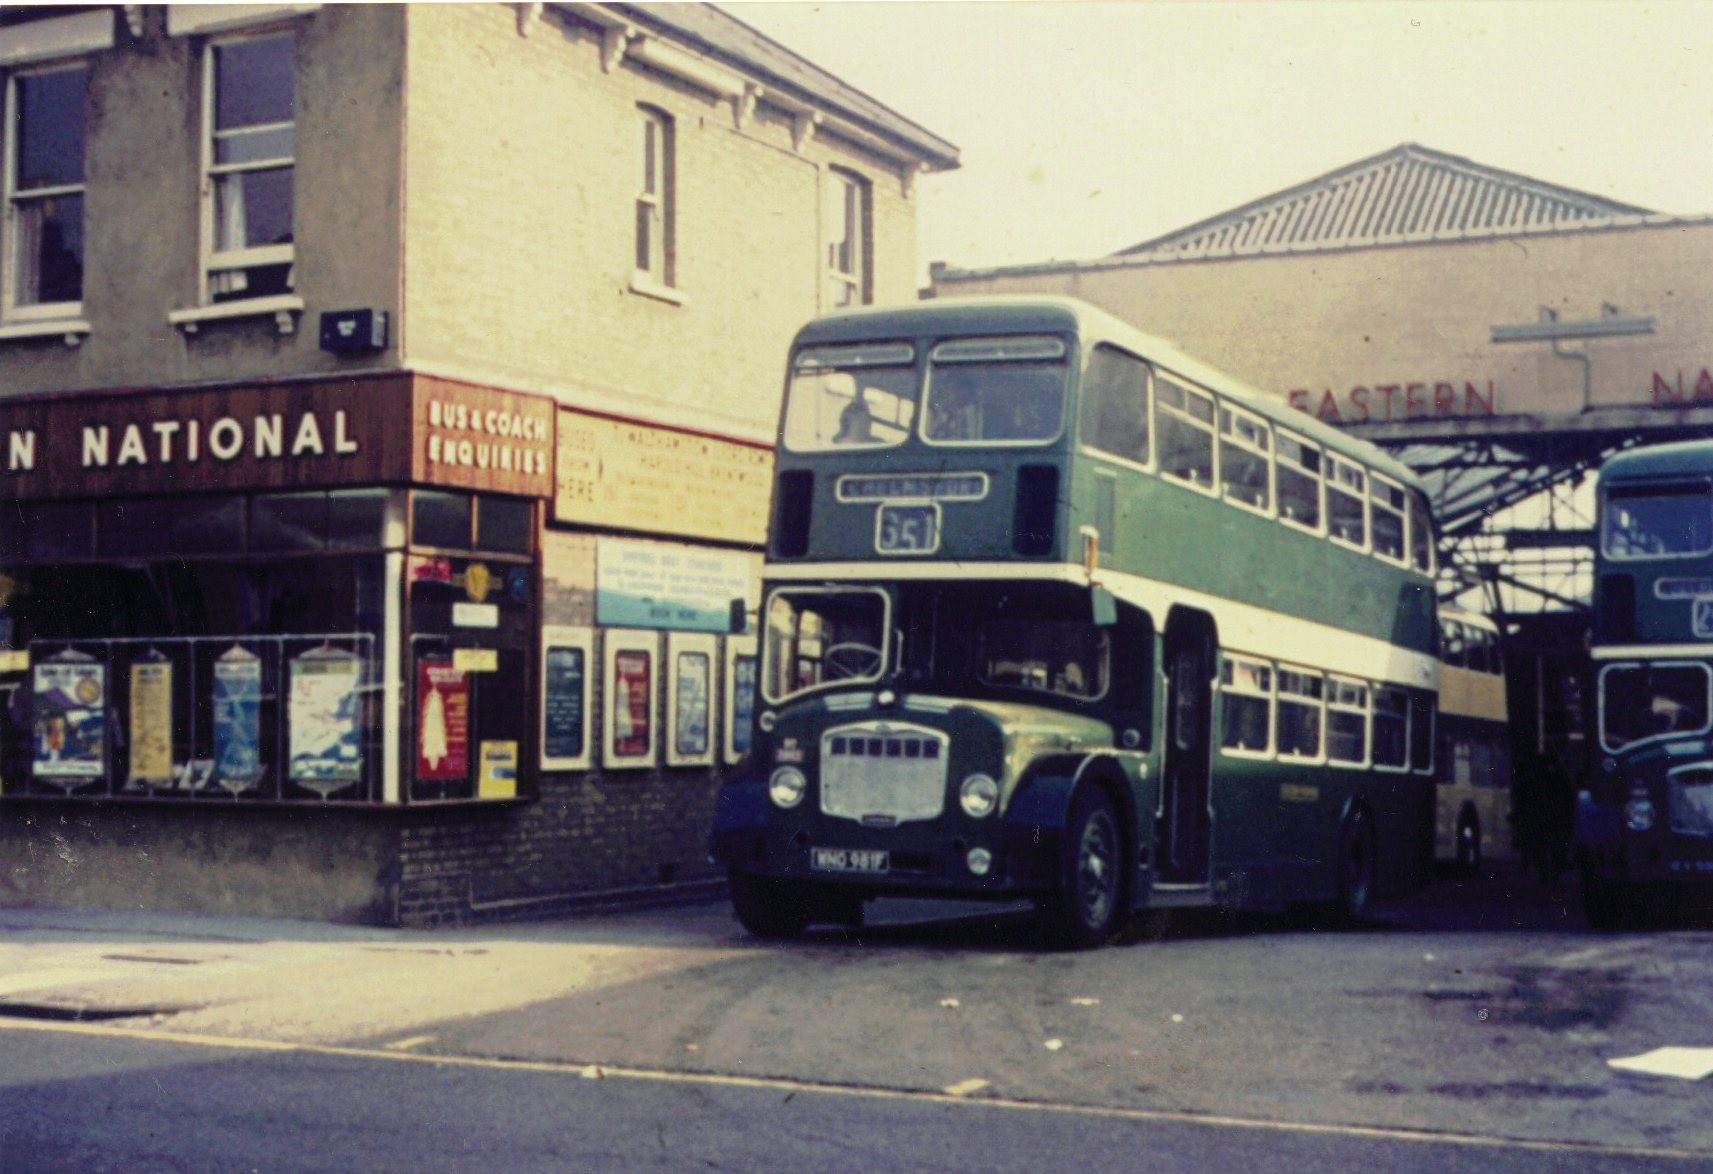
<point>1087,127</point>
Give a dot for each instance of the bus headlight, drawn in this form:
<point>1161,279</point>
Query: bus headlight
<point>1639,814</point>
<point>979,795</point>
<point>786,786</point>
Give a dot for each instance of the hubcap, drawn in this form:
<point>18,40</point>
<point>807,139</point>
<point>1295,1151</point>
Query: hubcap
<point>1095,874</point>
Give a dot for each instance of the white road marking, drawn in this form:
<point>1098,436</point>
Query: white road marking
<point>406,1044</point>
<point>717,1080</point>
<point>963,1088</point>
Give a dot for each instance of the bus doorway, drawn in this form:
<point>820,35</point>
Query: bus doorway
<point>1185,826</point>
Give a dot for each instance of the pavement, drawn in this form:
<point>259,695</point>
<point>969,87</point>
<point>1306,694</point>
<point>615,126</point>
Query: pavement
<point>311,983</point>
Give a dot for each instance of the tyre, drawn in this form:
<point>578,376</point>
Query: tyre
<point>1088,906</point>
<point>1609,904</point>
<point>769,908</point>
<point>1468,845</point>
<point>1354,872</point>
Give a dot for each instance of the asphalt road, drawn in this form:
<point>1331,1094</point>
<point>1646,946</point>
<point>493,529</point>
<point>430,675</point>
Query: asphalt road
<point>1469,1027</point>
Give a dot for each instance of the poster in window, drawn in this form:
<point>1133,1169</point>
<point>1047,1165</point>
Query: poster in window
<point>151,721</point>
<point>743,701</point>
<point>498,776</point>
<point>238,719</point>
<point>632,713</point>
<point>326,737</point>
<point>70,719</point>
<point>690,731</point>
<point>443,721</point>
<point>562,703</point>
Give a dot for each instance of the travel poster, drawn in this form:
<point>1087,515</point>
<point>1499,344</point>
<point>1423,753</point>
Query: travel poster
<point>326,740</point>
<point>498,776</point>
<point>70,719</point>
<point>562,703</point>
<point>238,716</point>
<point>743,702</point>
<point>151,721</point>
<point>690,737</point>
<point>443,721</point>
<point>632,686</point>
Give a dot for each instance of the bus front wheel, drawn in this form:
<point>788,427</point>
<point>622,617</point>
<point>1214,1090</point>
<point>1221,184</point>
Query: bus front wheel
<point>1088,904</point>
<point>769,908</point>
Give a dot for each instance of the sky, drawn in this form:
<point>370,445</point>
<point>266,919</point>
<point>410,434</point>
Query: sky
<point>1086,127</point>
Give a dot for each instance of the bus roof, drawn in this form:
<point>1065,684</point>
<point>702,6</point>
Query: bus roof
<point>1022,314</point>
<point>1680,458</point>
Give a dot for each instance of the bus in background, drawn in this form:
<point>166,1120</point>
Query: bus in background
<point>1644,818</point>
<point>1051,610</point>
<point>1474,756</point>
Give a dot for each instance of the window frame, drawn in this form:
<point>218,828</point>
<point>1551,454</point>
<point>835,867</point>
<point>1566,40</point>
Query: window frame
<point>1225,412</point>
<point>1087,445</point>
<point>1228,663</point>
<point>574,638</point>
<point>655,260</point>
<point>737,649</point>
<point>1403,695</point>
<point>852,213</point>
<point>679,646</point>
<point>12,312</point>
<point>1380,485</point>
<point>617,642</point>
<point>1183,417</point>
<point>1319,529</point>
<point>1367,711</point>
<point>214,260</point>
<point>1306,701</point>
<point>1334,463</point>
<point>1419,518</point>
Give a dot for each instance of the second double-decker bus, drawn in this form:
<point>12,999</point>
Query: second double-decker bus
<point>1052,610</point>
<point>1644,818</point>
<point>1474,754</point>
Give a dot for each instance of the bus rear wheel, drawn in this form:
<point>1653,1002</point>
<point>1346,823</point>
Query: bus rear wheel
<point>769,908</point>
<point>1355,867</point>
<point>1088,905</point>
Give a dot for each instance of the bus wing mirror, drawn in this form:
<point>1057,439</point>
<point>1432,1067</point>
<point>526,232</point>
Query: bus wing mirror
<point>737,623</point>
<point>1105,607</point>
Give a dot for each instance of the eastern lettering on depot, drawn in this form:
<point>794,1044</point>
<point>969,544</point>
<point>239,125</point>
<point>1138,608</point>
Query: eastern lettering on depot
<point>1397,401</point>
<point>189,441</point>
<point>486,438</point>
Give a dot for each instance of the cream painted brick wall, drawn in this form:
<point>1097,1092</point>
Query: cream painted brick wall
<point>1422,312</point>
<point>523,171</point>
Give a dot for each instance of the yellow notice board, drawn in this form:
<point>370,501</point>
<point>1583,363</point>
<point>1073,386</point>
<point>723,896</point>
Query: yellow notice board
<point>643,477</point>
<point>498,776</point>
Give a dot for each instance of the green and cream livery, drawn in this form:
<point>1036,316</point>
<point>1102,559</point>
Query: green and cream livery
<point>1052,610</point>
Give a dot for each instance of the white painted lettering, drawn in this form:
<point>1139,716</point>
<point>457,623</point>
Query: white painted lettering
<point>343,445</point>
<point>193,433</point>
<point>225,438</point>
<point>308,437</point>
<point>165,430</point>
<point>95,446</point>
<point>131,451</point>
<point>269,430</point>
<point>21,452</point>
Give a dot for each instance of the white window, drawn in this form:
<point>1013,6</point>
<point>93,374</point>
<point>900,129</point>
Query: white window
<point>1387,518</point>
<point>655,213</point>
<point>1302,711</point>
<point>44,134</point>
<point>1347,722</point>
<point>1245,465</point>
<point>847,240</point>
<point>1246,725</point>
<point>251,122</point>
<point>1184,424</point>
<point>1299,482</point>
<point>1347,502</point>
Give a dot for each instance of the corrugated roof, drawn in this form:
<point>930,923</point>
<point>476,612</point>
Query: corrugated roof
<point>724,36</point>
<point>1409,193</point>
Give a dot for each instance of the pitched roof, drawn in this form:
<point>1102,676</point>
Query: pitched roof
<point>1407,194</point>
<point>725,37</point>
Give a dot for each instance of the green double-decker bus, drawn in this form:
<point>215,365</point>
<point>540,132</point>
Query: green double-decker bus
<point>1644,818</point>
<point>1053,611</point>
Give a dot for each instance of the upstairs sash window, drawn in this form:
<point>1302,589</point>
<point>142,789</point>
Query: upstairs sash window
<point>44,190</point>
<point>847,240</point>
<point>252,149</point>
<point>655,213</point>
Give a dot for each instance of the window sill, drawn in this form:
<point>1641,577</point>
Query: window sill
<point>283,308</point>
<point>642,283</point>
<point>71,330</point>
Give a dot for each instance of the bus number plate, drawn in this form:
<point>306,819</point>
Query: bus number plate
<point>848,860</point>
<point>908,529</point>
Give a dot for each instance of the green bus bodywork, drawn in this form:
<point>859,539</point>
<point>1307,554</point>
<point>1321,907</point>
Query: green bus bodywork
<point>1644,818</point>
<point>989,558</point>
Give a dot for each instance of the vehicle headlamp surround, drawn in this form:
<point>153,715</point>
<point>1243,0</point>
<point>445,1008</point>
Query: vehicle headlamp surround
<point>787,786</point>
<point>978,795</point>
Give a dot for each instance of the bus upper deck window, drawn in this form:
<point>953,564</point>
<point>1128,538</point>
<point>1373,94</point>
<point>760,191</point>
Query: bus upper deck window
<point>860,396</point>
<point>1657,521</point>
<point>996,390</point>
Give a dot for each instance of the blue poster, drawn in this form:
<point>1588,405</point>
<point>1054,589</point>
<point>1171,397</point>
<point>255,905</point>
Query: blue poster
<point>654,585</point>
<point>326,741</point>
<point>743,701</point>
<point>238,718</point>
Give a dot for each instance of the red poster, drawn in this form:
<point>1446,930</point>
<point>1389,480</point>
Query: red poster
<point>631,710</point>
<point>442,721</point>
